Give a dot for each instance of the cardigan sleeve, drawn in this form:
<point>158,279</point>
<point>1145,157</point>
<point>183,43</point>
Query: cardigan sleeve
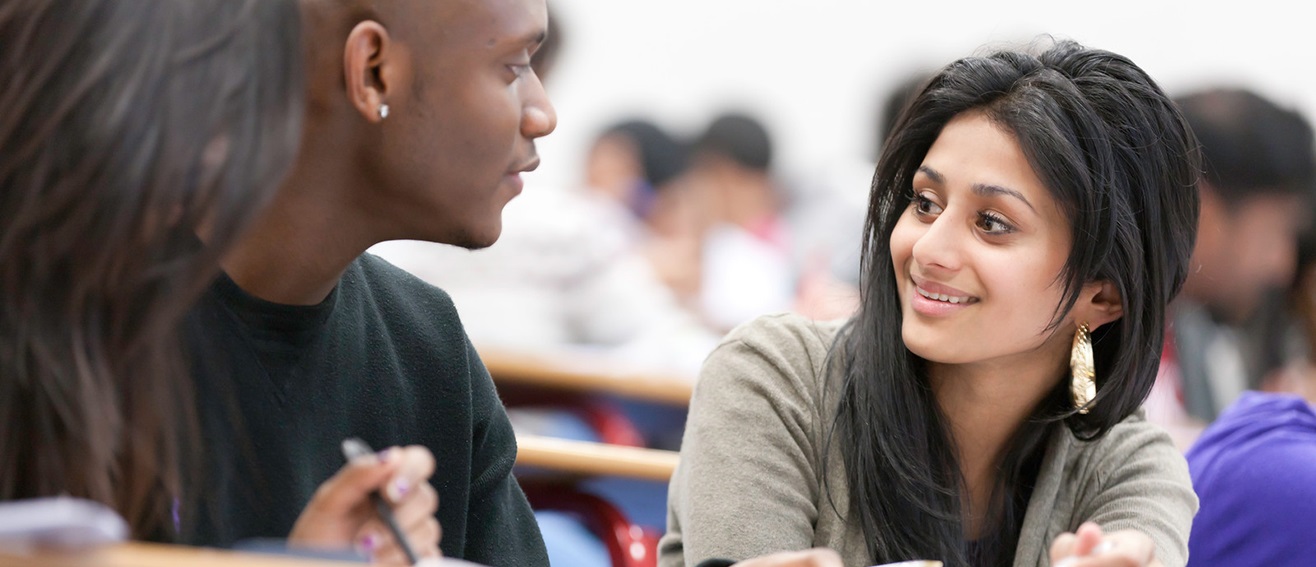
<point>1140,482</point>
<point>748,480</point>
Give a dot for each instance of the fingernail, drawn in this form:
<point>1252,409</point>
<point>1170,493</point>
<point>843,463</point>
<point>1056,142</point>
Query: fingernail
<point>1103,547</point>
<point>368,543</point>
<point>400,488</point>
<point>384,455</point>
<point>1066,562</point>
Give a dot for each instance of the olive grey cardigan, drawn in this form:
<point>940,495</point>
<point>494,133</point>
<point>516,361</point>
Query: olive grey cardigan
<point>751,479</point>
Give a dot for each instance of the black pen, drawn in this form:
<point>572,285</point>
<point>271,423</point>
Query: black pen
<point>353,448</point>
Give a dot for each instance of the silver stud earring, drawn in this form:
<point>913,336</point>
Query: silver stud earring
<point>383,111</point>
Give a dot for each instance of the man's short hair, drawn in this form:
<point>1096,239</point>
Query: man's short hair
<point>1251,145</point>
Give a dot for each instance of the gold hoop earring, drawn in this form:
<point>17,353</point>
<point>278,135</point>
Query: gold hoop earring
<point>1083,386</point>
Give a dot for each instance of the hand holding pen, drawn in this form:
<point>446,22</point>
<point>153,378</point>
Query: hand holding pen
<point>343,513</point>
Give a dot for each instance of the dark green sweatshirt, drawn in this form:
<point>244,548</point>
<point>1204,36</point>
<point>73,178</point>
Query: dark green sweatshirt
<point>384,358</point>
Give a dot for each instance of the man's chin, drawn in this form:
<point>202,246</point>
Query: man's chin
<point>478,240</point>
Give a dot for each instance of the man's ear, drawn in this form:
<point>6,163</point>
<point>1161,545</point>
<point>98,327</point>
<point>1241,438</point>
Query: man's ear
<point>371,64</point>
<point>1099,303</point>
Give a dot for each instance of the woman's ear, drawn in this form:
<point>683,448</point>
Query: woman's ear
<point>1098,304</point>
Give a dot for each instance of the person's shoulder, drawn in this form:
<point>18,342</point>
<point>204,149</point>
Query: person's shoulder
<point>1132,446</point>
<point>785,332</point>
<point>1135,458</point>
<point>785,354</point>
<point>398,294</point>
<point>383,276</point>
<point>1270,435</point>
<point>1130,434</point>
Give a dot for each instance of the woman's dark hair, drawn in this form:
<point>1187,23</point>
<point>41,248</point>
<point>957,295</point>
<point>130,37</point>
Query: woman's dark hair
<point>1122,163</point>
<point>128,129</point>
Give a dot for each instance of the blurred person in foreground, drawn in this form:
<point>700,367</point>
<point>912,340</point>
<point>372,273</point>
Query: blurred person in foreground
<point>138,140</point>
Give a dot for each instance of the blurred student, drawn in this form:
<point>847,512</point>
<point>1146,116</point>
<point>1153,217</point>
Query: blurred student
<point>1254,467</point>
<point>745,262</point>
<point>1254,470</point>
<point>421,119</point>
<point>1287,328</point>
<point>631,162</point>
<point>1260,174</point>
<point>826,216</point>
<point>130,128</point>
<point>1032,217</point>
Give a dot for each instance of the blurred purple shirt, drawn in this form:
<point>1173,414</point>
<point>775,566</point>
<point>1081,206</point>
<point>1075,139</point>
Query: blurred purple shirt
<point>1254,470</point>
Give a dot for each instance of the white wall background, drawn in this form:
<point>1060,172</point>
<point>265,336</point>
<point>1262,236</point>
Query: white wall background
<point>814,69</point>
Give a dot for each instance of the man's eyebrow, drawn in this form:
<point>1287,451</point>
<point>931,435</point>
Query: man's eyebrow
<point>534,38</point>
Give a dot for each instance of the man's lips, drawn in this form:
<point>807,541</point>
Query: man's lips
<point>531,165</point>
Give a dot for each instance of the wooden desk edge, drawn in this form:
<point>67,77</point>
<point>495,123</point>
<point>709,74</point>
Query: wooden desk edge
<point>528,369</point>
<point>140,554</point>
<point>597,459</point>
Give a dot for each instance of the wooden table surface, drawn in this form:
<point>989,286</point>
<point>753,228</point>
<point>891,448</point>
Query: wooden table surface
<point>139,554</point>
<point>585,372</point>
<point>584,458</point>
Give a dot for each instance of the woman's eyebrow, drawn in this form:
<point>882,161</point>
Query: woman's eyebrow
<point>988,190</point>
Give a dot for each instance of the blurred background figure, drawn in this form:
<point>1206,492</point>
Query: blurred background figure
<point>631,161</point>
<point>1254,470</point>
<point>737,209</point>
<point>1256,200</point>
<point>1288,325</point>
<point>827,209</point>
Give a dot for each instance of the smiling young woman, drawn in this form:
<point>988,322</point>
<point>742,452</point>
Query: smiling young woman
<point>1024,200</point>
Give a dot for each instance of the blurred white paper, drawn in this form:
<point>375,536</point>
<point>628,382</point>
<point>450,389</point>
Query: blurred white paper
<point>62,523</point>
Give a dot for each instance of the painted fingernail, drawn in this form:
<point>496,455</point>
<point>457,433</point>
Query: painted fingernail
<point>368,543</point>
<point>400,487</point>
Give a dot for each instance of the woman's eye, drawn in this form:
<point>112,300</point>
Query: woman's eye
<point>924,206</point>
<point>993,224</point>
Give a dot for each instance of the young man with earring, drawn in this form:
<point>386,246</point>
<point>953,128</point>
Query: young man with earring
<point>421,117</point>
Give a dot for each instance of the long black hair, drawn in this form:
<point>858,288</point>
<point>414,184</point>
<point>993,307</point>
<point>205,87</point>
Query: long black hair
<point>128,128</point>
<point>1122,163</point>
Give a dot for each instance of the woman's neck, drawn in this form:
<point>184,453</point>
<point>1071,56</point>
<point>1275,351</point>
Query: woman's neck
<point>984,407</point>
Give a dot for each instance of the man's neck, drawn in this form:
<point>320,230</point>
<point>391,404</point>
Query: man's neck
<point>298,248</point>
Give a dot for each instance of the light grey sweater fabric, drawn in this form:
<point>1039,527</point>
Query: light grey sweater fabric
<point>751,479</point>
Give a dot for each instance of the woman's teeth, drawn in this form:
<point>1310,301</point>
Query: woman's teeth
<point>942,297</point>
